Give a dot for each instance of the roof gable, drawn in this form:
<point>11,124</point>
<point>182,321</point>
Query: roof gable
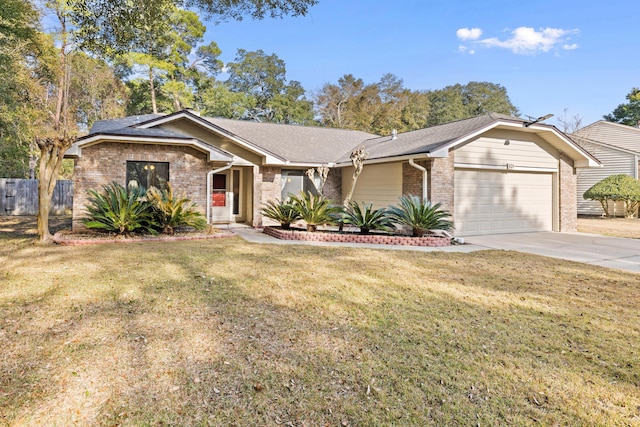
<point>436,141</point>
<point>614,135</point>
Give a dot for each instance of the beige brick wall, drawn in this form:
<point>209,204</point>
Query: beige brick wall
<point>441,182</point>
<point>412,180</point>
<point>267,187</point>
<point>568,187</point>
<point>103,163</point>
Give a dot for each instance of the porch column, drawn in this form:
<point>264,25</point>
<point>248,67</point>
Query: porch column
<point>267,183</point>
<point>441,182</point>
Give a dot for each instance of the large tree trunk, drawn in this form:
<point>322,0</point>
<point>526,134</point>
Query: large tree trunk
<point>52,151</point>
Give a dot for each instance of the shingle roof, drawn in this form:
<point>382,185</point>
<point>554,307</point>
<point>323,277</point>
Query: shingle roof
<point>308,144</point>
<point>614,135</point>
<point>109,125</point>
<point>424,140</point>
<point>304,144</point>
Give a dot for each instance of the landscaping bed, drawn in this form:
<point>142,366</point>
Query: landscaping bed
<point>67,238</point>
<point>378,239</point>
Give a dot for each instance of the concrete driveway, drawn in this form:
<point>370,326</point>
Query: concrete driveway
<point>611,252</point>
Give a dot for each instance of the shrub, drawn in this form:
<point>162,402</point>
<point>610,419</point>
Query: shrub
<point>420,215</point>
<point>366,218</point>
<point>616,187</point>
<point>119,210</point>
<point>171,211</point>
<point>315,210</point>
<point>283,212</point>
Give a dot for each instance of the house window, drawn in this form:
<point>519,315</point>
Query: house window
<point>148,174</point>
<point>295,181</point>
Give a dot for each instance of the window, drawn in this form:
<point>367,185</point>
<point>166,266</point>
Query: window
<point>295,181</point>
<point>148,174</point>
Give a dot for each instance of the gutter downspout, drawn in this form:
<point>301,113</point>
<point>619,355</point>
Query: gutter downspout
<point>209,175</point>
<point>425,190</point>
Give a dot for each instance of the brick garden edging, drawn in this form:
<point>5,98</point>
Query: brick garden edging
<point>64,241</point>
<point>376,239</point>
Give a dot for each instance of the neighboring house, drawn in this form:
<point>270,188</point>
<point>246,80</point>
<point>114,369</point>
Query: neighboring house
<point>618,148</point>
<point>495,173</point>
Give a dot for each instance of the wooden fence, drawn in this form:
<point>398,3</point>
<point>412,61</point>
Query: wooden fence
<point>20,197</point>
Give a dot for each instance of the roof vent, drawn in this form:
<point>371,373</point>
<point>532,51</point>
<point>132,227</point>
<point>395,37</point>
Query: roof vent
<point>394,134</point>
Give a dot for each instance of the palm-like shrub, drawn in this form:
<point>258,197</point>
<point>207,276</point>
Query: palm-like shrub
<point>315,210</point>
<point>283,212</point>
<point>366,218</point>
<point>420,215</point>
<point>119,210</point>
<point>171,210</point>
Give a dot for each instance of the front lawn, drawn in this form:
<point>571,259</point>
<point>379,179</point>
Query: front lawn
<point>225,332</point>
<point>613,227</point>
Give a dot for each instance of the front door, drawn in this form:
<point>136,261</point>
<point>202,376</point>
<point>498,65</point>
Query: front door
<point>220,209</point>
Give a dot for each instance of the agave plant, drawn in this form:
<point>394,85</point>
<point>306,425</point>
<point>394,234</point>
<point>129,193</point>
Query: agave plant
<point>420,215</point>
<point>366,218</point>
<point>283,212</point>
<point>315,210</point>
<point>171,211</point>
<point>119,210</point>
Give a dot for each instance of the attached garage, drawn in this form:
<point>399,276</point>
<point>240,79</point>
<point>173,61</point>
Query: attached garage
<point>488,202</point>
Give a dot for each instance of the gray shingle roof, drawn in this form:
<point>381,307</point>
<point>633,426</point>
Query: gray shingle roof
<point>109,125</point>
<point>425,140</point>
<point>304,144</point>
<point>308,144</point>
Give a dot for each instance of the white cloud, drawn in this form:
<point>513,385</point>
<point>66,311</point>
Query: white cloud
<point>526,40</point>
<point>464,49</point>
<point>469,33</point>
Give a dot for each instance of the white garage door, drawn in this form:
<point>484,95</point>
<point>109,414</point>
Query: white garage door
<point>502,202</point>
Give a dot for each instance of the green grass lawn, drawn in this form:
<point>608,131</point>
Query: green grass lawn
<point>225,332</point>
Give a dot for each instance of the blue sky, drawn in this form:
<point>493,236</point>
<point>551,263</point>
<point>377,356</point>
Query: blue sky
<point>550,55</point>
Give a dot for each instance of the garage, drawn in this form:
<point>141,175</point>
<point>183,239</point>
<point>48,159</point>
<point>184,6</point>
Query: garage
<point>488,202</point>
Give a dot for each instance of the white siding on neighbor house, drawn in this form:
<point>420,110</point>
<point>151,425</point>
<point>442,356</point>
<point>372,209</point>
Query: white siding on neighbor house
<point>614,162</point>
<point>380,184</point>
<point>493,202</point>
<point>627,137</point>
<point>493,150</point>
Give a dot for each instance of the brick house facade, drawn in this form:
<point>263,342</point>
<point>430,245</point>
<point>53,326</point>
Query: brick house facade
<point>253,156</point>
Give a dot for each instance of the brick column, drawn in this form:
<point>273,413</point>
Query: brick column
<point>266,188</point>
<point>441,182</point>
<point>567,198</point>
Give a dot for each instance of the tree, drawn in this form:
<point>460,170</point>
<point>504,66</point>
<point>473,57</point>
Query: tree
<point>110,27</point>
<point>332,101</point>
<point>21,44</point>
<point>263,79</point>
<point>569,124</point>
<point>377,107</point>
<point>614,188</point>
<point>629,113</point>
<point>95,92</point>
<point>459,102</point>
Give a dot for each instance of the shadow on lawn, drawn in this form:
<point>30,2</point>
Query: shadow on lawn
<point>229,333</point>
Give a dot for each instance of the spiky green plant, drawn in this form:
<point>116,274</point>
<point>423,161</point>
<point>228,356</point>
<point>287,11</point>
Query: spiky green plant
<point>281,211</point>
<point>315,210</point>
<point>366,218</point>
<point>420,215</point>
<point>171,210</point>
<point>119,210</point>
